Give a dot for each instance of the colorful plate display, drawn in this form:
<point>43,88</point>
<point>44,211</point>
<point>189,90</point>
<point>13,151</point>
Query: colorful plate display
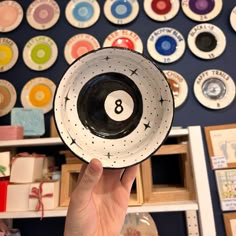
<point>121,12</point>
<point>78,45</point>
<point>161,10</point>
<point>38,93</point>
<point>233,18</point>
<point>40,53</point>
<point>166,45</point>
<point>11,15</point>
<point>124,38</point>
<point>214,89</point>
<point>7,97</point>
<point>82,13</point>
<point>178,85</point>
<point>202,10</point>
<point>113,104</point>
<point>206,41</point>
<point>43,14</point>
<point>8,54</point>
<point>139,224</point>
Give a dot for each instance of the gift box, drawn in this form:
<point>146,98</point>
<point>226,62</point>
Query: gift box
<point>11,132</point>
<point>26,168</point>
<point>3,194</point>
<point>5,164</point>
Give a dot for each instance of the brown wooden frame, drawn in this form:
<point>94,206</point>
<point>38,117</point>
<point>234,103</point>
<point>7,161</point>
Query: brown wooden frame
<point>227,218</point>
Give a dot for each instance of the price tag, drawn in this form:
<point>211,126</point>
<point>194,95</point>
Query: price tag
<point>228,204</point>
<point>219,162</point>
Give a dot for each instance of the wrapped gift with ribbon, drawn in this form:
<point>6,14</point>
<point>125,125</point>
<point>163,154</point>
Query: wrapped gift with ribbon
<point>4,164</point>
<point>26,167</point>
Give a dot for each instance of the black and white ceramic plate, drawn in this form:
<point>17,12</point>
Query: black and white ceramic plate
<point>161,10</point>
<point>202,10</point>
<point>206,41</point>
<point>214,89</point>
<point>115,105</point>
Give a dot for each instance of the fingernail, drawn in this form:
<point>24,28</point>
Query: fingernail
<point>95,166</point>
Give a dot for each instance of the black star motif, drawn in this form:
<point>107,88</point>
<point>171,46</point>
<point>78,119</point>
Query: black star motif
<point>162,100</point>
<point>72,141</point>
<point>107,58</point>
<point>134,72</point>
<point>147,125</point>
<point>108,155</point>
<point>66,99</point>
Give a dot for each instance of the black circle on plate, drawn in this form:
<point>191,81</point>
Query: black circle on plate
<point>206,42</point>
<point>91,109</point>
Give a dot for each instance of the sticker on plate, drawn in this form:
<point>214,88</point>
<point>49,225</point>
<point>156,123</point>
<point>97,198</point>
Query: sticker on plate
<point>11,15</point>
<point>82,13</point>
<point>178,86</point>
<point>43,14</point>
<point>214,89</point>
<point>121,12</point>
<point>8,54</point>
<point>40,53</point>
<point>202,10</point>
<point>38,93</point>
<point>161,10</point>
<point>124,38</point>
<point>206,41</point>
<point>233,18</point>
<point>7,97</point>
<point>78,45</point>
<point>166,45</point>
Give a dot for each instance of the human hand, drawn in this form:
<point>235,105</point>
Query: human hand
<point>3,227</point>
<point>99,202</point>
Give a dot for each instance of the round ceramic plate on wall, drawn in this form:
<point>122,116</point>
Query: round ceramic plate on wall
<point>82,13</point>
<point>8,54</point>
<point>11,15</point>
<point>178,85</point>
<point>206,41</point>
<point>124,38</point>
<point>40,53</point>
<point>214,89</point>
<point>161,10</point>
<point>233,18</point>
<point>202,10</point>
<point>78,45</point>
<point>121,12</point>
<point>38,93</point>
<point>43,14</point>
<point>113,104</point>
<point>7,97</point>
<point>166,45</point>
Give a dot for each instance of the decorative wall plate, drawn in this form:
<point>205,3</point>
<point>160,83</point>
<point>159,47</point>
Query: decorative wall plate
<point>166,45</point>
<point>139,224</point>
<point>8,54</point>
<point>233,18</point>
<point>161,10</point>
<point>43,14</point>
<point>124,38</point>
<point>214,89</point>
<point>40,53</point>
<point>115,105</point>
<point>78,45</point>
<point>38,93</point>
<point>206,41</point>
<point>11,15</point>
<point>82,13</point>
<point>178,85</point>
<point>202,10</point>
<point>121,12</point>
<point>7,97</point>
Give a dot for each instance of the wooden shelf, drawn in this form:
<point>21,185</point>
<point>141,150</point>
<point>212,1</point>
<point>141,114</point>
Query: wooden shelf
<point>61,211</point>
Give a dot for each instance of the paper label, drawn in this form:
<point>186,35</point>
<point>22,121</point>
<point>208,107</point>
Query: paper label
<point>229,204</point>
<point>219,162</point>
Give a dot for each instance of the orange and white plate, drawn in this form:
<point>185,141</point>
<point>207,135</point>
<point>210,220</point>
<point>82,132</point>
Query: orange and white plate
<point>78,45</point>
<point>40,53</point>
<point>124,38</point>
<point>8,54</point>
<point>43,14</point>
<point>38,93</point>
<point>161,10</point>
<point>121,12</point>
<point>11,15</point>
<point>178,86</point>
<point>7,97</point>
